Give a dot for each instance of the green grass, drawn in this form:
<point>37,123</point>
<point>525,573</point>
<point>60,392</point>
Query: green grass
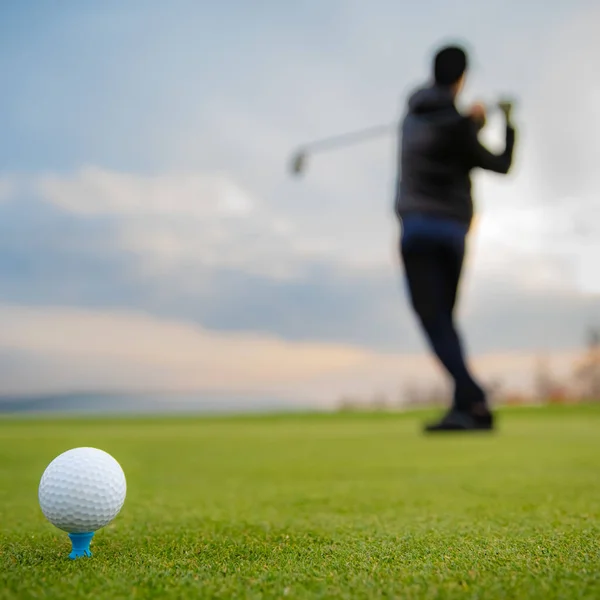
<point>329,506</point>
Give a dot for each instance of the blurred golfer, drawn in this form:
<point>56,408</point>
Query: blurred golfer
<point>439,148</point>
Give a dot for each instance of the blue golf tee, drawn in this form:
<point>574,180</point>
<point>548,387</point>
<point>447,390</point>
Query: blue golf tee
<point>81,544</point>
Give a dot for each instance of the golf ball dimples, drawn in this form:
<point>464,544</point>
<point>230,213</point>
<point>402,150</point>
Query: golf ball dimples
<point>82,490</point>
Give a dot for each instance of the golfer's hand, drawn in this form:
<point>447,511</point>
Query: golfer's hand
<point>478,114</point>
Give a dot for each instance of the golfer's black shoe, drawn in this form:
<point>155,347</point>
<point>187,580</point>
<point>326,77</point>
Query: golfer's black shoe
<point>456,420</point>
<point>482,416</point>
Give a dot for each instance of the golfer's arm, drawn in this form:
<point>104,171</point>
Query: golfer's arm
<point>481,157</point>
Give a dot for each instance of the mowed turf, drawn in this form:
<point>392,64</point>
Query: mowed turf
<point>327,506</point>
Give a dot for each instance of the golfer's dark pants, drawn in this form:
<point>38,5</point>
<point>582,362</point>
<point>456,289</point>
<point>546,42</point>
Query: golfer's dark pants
<point>432,252</point>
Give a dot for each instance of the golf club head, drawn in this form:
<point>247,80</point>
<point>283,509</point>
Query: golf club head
<point>298,163</point>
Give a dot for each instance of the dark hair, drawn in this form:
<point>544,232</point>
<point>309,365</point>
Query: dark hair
<point>449,65</point>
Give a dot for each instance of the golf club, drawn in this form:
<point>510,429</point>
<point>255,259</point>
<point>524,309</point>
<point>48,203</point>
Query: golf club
<point>298,163</point>
<point>300,157</point>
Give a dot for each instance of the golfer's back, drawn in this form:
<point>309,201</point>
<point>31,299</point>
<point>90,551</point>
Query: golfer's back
<point>433,177</point>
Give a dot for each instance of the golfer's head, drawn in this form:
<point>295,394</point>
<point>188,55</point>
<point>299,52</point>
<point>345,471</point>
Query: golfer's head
<point>450,67</point>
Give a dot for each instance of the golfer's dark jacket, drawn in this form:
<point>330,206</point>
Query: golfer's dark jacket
<point>438,148</point>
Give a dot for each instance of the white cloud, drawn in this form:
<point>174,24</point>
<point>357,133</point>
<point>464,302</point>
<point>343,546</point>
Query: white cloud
<point>171,221</point>
<point>94,191</point>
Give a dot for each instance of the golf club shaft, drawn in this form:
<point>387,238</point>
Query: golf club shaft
<point>349,139</point>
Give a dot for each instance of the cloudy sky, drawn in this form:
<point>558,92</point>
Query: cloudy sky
<point>151,237</point>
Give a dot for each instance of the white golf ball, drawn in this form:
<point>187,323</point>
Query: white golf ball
<point>82,490</point>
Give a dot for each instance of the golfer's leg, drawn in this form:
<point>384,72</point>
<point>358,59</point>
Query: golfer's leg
<point>466,389</point>
<point>428,281</point>
<point>453,267</point>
